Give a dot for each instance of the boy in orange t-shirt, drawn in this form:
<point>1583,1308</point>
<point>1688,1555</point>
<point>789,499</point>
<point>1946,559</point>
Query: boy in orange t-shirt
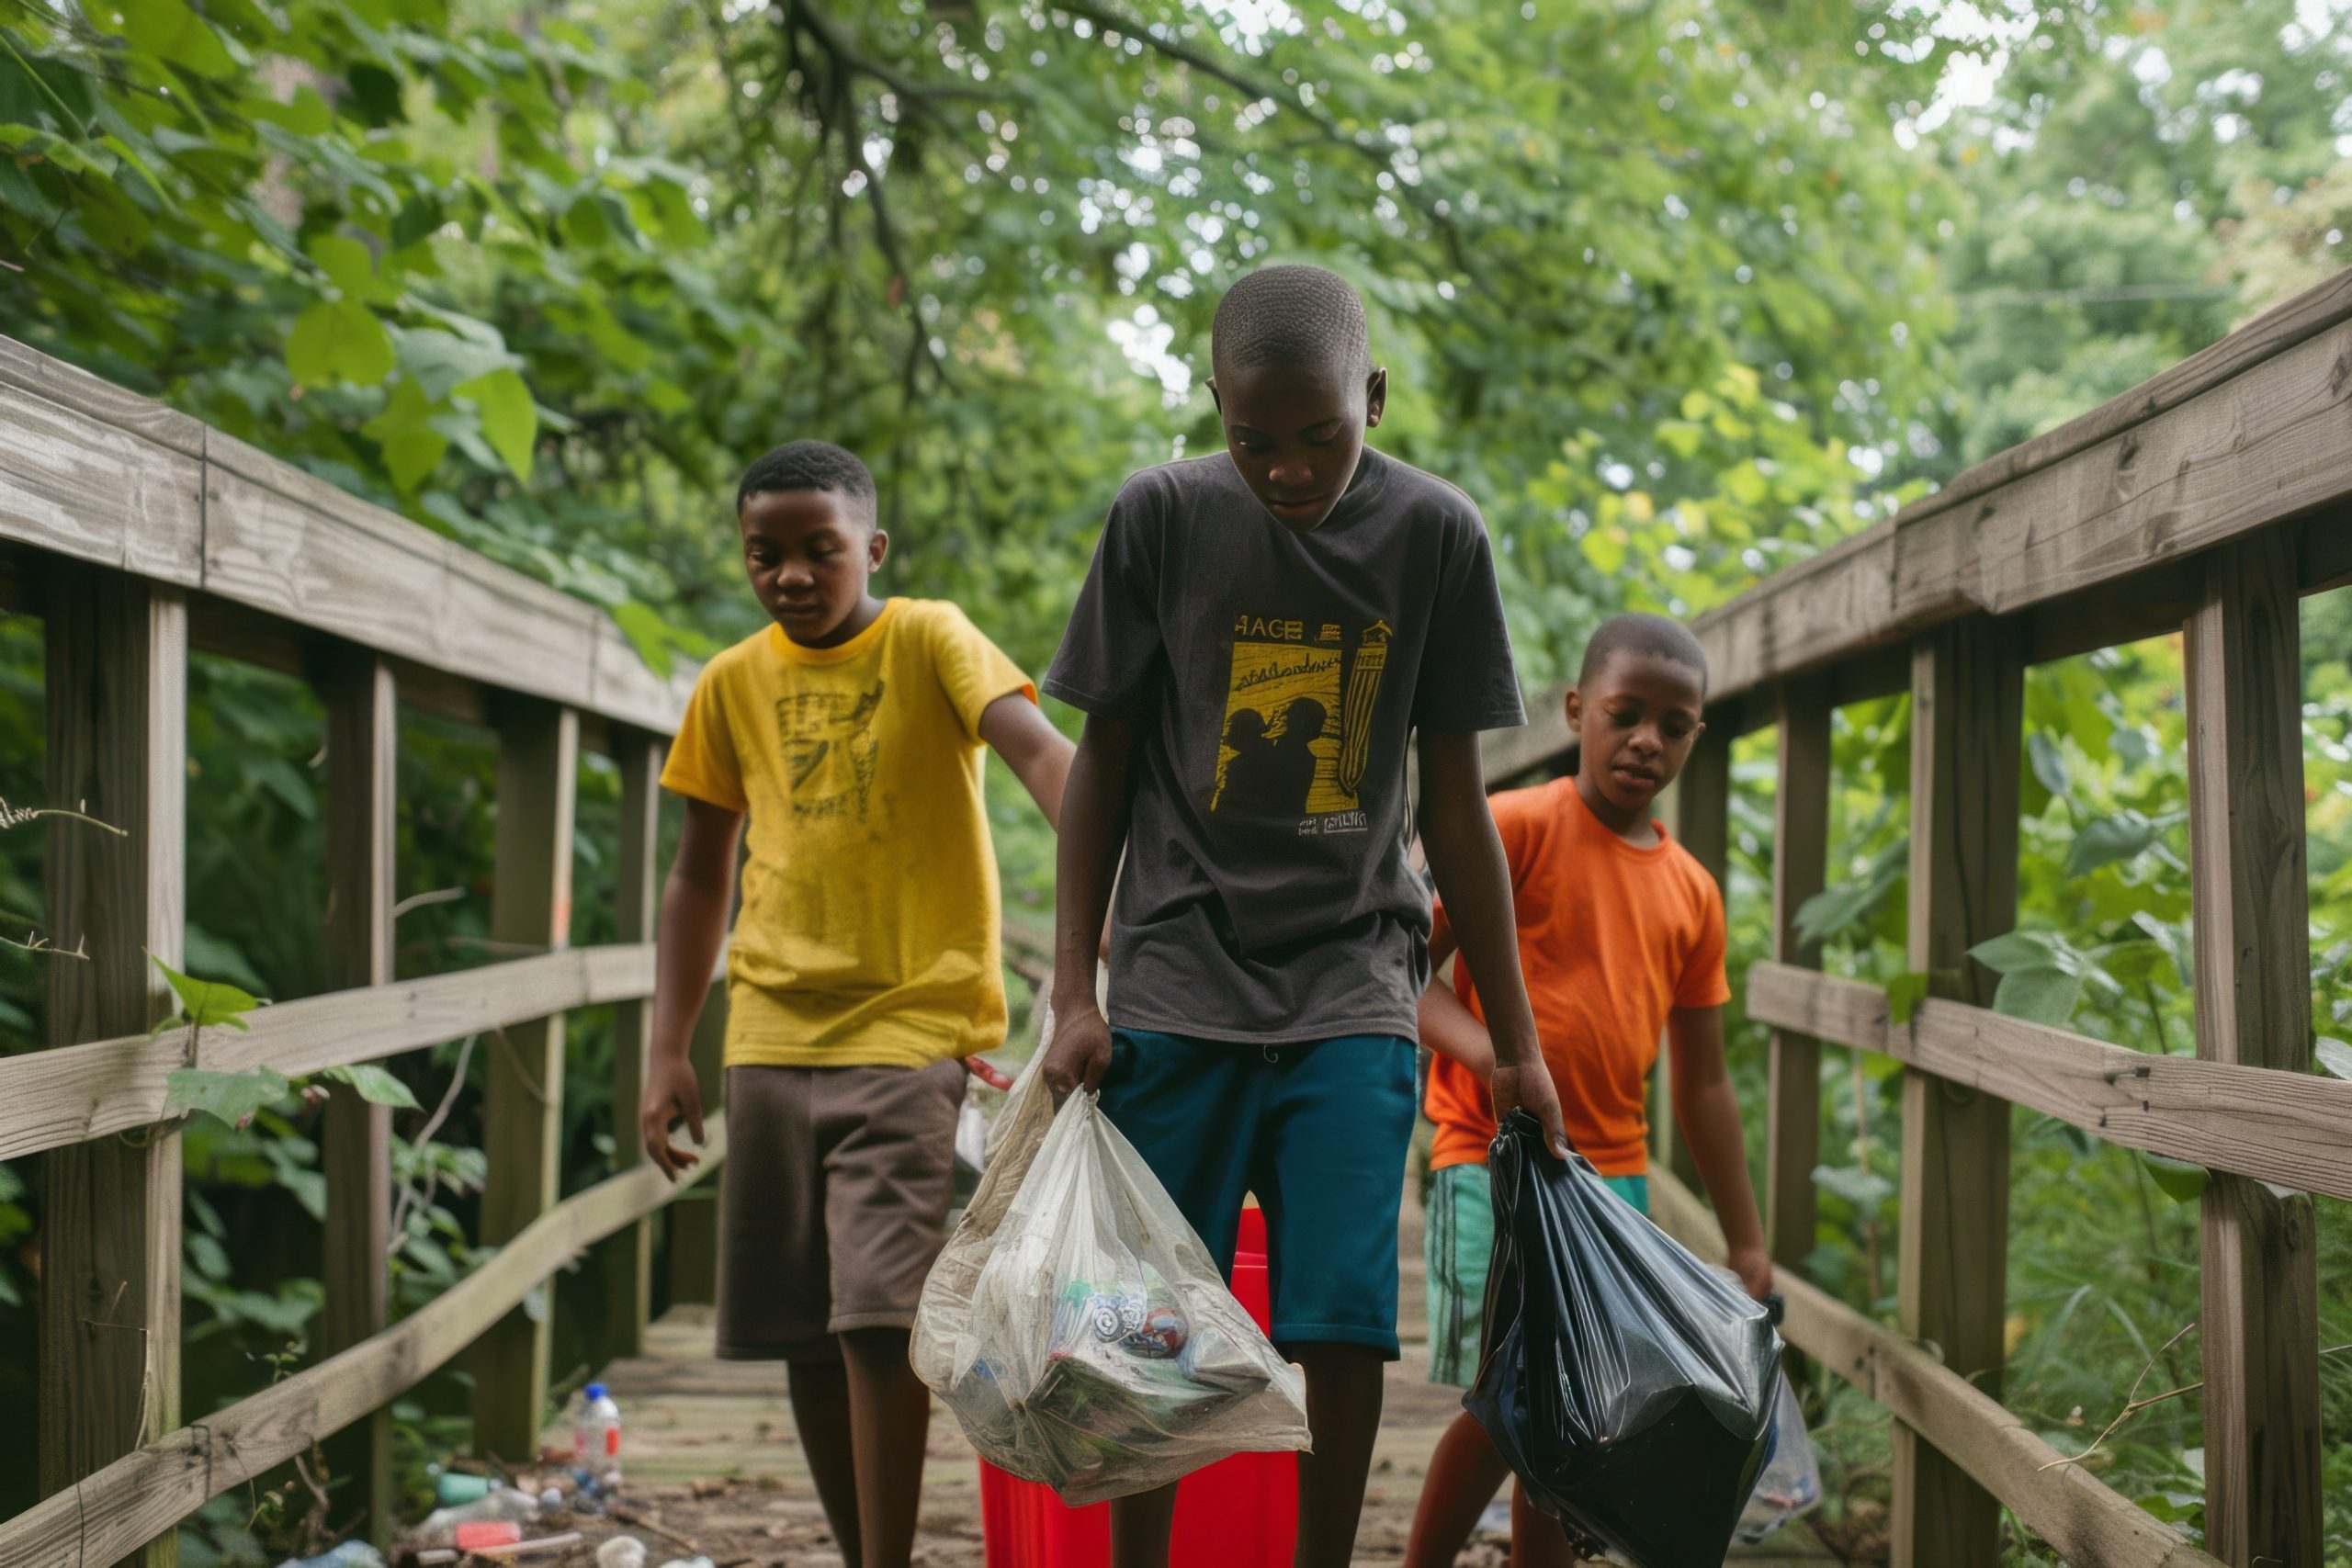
<point>1621,936</point>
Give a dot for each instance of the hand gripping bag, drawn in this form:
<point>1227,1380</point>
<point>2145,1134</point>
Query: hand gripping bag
<point>1079,1329</point>
<point>1630,1387</point>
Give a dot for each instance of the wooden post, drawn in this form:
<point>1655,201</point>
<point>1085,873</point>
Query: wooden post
<point>362,728</point>
<point>694,1218</point>
<point>111,1234</point>
<point>538,764</point>
<point>2260,1330</point>
<point>1702,823</point>
<point>1967,734</point>
<point>628,1257</point>
<point>1800,864</point>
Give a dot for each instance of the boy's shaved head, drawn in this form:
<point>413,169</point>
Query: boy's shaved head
<point>1656,635</point>
<point>811,465</point>
<point>1289,316</point>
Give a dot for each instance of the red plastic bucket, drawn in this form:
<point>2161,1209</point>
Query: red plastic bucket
<point>1238,1513</point>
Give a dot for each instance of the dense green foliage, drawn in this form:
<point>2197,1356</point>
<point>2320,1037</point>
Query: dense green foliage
<point>1678,291</point>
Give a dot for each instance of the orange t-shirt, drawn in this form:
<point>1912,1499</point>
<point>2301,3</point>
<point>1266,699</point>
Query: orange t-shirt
<point>1611,939</point>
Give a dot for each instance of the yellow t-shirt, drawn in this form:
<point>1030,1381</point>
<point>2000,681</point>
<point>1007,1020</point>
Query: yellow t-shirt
<point>868,930</point>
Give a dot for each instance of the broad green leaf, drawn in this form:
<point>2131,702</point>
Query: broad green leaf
<point>352,267</point>
<point>338,340</point>
<point>374,1084</point>
<point>2178,1179</point>
<point>1863,1189</point>
<point>2049,762</point>
<point>305,114</point>
<point>412,447</point>
<point>509,420</point>
<point>1904,994</point>
<point>166,29</point>
<point>438,361</point>
<point>233,1097</point>
<point>2334,1057</point>
<point>205,1004</point>
<point>2013,951</point>
<point>1605,548</point>
<point>2040,996</point>
<point>648,633</point>
<point>2107,840</point>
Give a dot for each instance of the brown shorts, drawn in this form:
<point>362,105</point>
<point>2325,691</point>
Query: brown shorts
<point>833,1206</point>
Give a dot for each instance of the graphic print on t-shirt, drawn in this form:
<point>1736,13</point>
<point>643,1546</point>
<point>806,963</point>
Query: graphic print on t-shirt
<point>1299,721</point>
<point>829,749</point>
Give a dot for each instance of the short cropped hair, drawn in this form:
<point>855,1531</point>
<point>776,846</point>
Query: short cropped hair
<point>810,465</point>
<point>1290,315</point>
<point>1656,635</point>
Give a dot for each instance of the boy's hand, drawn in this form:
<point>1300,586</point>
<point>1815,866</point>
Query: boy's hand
<point>1079,1050</point>
<point>1754,1267</point>
<point>1528,1088</point>
<point>671,1094</point>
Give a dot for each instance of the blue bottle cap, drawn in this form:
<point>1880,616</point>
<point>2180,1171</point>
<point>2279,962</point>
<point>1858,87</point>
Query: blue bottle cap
<point>596,1390</point>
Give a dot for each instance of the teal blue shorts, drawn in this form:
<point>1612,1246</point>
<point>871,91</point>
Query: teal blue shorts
<point>1458,1241</point>
<point>1316,1130</point>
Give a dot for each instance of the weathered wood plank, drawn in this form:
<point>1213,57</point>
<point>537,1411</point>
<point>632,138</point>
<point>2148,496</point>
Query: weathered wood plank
<point>1702,823</point>
<point>1507,756</point>
<point>363,737</point>
<point>91,490</point>
<point>116,669</point>
<point>2260,1325</point>
<point>69,386</point>
<point>628,1257</point>
<point>1967,734</point>
<point>1839,602</point>
<point>2083,1520</point>
<point>1800,869</point>
<point>144,1493</point>
<point>81,1092</point>
<point>538,767</point>
<point>2272,1126</point>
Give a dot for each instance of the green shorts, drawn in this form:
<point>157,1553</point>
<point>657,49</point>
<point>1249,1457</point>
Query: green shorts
<point>1459,1241</point>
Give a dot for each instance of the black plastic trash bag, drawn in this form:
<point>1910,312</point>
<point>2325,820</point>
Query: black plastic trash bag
<point>1630,1387</point>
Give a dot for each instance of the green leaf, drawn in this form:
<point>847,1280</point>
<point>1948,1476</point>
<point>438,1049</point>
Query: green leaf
<point>306,115</point>
<point>1852,903</point>
<point>352,267</point>
<point>2039,996</point>
<point>207,1003</point>
<point>1865,1190</point>
<point>1904,994</point>
<point>2178,1179</point>
<point>1605,548</point>
<point>374,1084</point>
<point>2049,762</point>
<point>168,30</point>
<point>2334,1057</point>
<point>338,340</point>
<point>509,420</point>
<point>648,633</point>
<point>234,1098</point>
<point>2013,951</point>
<point>437,361</point>
<point>411,448</point>
<point>2107,840</point>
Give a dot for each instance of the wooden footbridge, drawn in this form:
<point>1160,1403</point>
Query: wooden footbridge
<point>2205,501</point>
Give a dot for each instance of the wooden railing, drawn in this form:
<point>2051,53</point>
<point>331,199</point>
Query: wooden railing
<point>2202,503</point>
<point>137,535</point>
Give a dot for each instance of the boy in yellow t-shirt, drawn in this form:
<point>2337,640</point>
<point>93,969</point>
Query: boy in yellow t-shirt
<point>863,964</point>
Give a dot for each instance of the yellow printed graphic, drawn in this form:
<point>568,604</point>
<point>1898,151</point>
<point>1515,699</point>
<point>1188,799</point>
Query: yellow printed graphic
<point>1297,718</point>
<point>830,748</point>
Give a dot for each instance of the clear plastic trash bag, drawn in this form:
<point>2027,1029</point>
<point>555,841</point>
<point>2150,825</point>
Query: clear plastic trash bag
<point>1077,1326</point>
<point>1790,1482</point>
<point>1628,1385</point>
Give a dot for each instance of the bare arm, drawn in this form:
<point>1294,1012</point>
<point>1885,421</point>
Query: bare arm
<point>1038,754</point>
<point>1474,879</point>
<point>1448,1026</point>
<point>1093,830</point>
<point>693,928</point>
<point>1708,1112</point>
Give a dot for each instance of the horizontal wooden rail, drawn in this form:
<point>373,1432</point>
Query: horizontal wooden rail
<point>2282,1127</point>
<point>112,1512</point>
<point>2085,1519</point>
<point>76,1093</point>
<point>93,473</point>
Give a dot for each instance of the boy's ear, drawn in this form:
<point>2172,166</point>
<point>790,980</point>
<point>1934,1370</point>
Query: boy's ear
<point>1217,401</point>
<point>1575,706</point>
<point>1375,396</point>
<point>877,547</point>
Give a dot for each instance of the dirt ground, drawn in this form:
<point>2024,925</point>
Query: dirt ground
<point>714,1467</point>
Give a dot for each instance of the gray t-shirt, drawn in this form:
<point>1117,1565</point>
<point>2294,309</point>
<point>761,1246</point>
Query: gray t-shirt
<point>1274,679</point>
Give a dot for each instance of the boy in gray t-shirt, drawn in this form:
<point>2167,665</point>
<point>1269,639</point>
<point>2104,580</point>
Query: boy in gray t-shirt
<point>1262,632</point>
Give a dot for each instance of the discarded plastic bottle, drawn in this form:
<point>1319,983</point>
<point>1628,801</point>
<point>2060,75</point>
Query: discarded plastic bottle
<point>350,1554</point>
<point>440,1527</point>
<point>596,1436</point>
<point>455,1488</point>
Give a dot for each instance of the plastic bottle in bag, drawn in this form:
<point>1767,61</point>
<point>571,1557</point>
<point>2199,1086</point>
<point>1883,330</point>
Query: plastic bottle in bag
<point>1628,1386</point>
<point>1077,1326</point>
<point>1790,1481</point>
